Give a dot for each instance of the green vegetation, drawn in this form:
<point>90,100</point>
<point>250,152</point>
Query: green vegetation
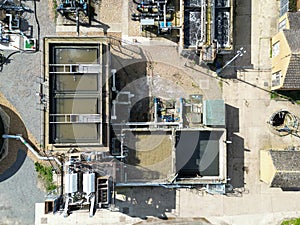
<point>274,95</point>
<point>54,3</point>
<point>221,84</point>
<point>291,222</point>
<point>293,96</point>
<point>195,85</point>
<point>45,173</point>
<point>293,5</point>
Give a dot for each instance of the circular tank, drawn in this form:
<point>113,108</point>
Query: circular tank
<point>283,122</point>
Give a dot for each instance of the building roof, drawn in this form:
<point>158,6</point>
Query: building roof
<point>286,160</point>
<point>214,112</point>
<point>292,78</point>
<point>293,39</point>
<point>286,180</point>
<point>287,166</point>
<point>294,20</point>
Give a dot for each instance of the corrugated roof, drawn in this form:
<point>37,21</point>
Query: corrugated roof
<point>292,78</point>
<point>214,112</point>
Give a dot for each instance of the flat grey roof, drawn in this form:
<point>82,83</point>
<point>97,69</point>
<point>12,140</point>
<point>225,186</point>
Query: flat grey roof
<point>197,153</point>
<point>214,112</point>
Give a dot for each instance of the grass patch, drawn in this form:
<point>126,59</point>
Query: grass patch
<point>291,222</point>
<point>54,4</point>
<point>274,95</point>
<point>293,5</point>
<point>194,85</point>
<point>221,84</point>
<point>45,173</point>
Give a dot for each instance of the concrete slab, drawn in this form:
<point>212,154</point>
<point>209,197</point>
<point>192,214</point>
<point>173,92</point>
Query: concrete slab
<point>82,217</point>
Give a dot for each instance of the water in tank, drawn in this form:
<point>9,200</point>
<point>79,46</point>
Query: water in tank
<point>88,183</point>
<point>71,183</point>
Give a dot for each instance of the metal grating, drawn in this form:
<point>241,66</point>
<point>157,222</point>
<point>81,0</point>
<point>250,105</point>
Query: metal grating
<point>193,3</point>
<point>222,28</point>
<point>192,28</point>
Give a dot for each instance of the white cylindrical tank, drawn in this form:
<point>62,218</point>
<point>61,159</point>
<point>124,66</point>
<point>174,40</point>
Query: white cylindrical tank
<point>71,183</point>
<point>88,183</point>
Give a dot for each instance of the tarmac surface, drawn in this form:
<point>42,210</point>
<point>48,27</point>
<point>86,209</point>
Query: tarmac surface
<point>19,193</point>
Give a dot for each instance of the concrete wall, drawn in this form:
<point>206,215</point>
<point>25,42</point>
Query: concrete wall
<point>285,17</point>
<point>281,61</point>
<point>267,169</point>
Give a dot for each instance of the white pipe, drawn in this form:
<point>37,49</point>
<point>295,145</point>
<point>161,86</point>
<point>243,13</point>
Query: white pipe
<point>240,52</point>
<point>66,206</point>
<point>113,71</point>
<point>181,113</point>
<point>10,21</point>
<point>202,24</point>
<point>203,21</point>
<point>165,16</point>
<point>114,116</point>
<point>156,109</point>
<point>20,138</point>
<point>147,123</point>
<point>181,25</point>
<point>92,206</point>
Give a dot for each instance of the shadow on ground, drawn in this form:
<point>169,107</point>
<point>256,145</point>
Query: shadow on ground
<point>16,150</point>
<point>132,90</point>
<point>241,39</point>
<point>235,150</point>
<point>147,201</point>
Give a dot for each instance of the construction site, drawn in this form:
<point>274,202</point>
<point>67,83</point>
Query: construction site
<point>133,125</point>
<point>100,134</point>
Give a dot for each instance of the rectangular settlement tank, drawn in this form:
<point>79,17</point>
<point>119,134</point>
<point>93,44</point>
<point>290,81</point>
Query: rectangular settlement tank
<point>88,183</point>
<point>71,181</point>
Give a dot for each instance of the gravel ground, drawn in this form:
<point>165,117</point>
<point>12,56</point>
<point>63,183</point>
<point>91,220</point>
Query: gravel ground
<point>113,15</point>
<point>20,78</point>
<point>19,82</point>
